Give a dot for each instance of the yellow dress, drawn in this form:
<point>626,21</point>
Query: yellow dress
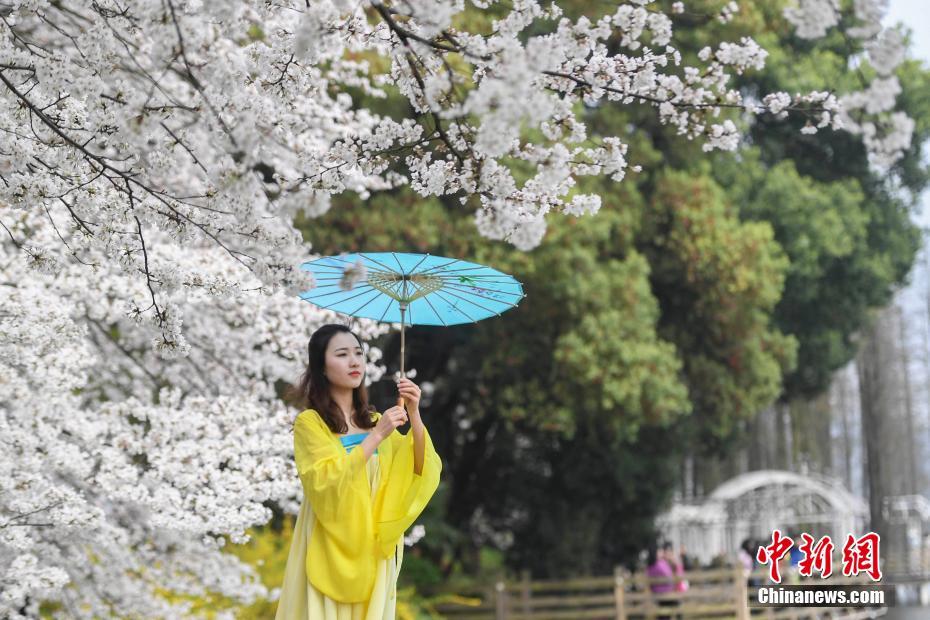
<point>357,541</point>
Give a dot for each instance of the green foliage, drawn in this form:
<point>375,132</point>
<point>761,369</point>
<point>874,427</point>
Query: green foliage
<point>612,360</point>
<point>842,261</point>
<point>846,231</point>
<point>719,279</point>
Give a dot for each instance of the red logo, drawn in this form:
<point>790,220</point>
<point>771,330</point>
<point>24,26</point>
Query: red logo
<point>861,555</point>
<point>817,557</point>
<point>773,553</point>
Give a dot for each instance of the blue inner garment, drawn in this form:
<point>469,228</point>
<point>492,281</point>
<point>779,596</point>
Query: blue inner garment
<point>350,441</point>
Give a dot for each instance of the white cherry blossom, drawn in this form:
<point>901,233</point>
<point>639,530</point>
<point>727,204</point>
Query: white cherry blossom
<point>870,112</point>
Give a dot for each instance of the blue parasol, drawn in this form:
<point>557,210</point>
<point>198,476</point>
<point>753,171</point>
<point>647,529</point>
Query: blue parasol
<point>412,289</point>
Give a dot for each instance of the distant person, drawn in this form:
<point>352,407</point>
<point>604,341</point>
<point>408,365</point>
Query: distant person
<point>687,562</point>
<point>678,567</point>
<point>660,566</point>
<point>746,557</point>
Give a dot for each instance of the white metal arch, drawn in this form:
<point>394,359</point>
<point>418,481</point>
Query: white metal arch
<point>751,505</point>
<point>832,492</point>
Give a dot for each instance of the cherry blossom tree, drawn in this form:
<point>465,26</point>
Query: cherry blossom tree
<point>152,158</point>
<point>122,471</point>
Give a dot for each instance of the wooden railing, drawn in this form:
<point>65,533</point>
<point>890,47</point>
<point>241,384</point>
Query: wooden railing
<point>711,593</point>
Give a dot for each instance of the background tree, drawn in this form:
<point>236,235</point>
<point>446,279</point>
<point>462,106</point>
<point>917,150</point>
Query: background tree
<point>848,231</point>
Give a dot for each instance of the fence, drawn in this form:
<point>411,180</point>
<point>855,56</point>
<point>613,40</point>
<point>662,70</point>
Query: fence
<point>712,593</point>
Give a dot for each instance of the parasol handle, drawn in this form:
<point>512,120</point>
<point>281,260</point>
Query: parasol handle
<point>400,399</point>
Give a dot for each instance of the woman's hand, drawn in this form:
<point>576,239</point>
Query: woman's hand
<point>390,420</point>
<point>411,393</point>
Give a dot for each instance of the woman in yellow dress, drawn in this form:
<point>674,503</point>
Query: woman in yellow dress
<point>364,485</point>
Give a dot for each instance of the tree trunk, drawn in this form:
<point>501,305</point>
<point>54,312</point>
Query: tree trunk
<point>910,485</point>
<point>873,386</point>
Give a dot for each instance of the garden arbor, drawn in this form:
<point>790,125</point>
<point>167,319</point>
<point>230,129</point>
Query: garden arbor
<point>753,504</point>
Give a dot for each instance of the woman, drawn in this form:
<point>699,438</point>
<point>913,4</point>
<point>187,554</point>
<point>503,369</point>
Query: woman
<point>364,485</point>
<point>660,567</point>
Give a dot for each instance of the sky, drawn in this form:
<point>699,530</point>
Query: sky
<point>913,13</point>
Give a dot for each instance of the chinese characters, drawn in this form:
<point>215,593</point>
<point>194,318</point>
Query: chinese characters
<point>860,555</point>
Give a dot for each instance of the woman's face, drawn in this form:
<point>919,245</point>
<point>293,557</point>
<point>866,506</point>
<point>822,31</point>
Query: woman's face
<point>344,357</point>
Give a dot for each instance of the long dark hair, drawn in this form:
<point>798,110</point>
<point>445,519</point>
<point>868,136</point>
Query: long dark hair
<point>312,389</point>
